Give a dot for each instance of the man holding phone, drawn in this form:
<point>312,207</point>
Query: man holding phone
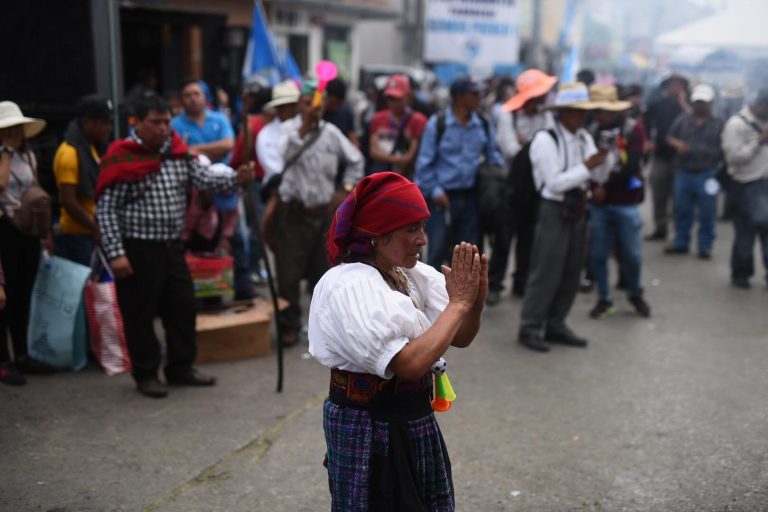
<point>617,191</point>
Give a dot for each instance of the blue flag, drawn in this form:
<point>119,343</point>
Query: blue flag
<point>261,56</point>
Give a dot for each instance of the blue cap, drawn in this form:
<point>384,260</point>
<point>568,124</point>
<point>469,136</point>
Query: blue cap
<point>464,84</point>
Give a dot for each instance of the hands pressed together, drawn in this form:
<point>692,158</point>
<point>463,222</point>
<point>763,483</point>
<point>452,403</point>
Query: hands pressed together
<point>466,280</point>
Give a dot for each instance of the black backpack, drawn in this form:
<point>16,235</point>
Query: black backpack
<point>524,194</point>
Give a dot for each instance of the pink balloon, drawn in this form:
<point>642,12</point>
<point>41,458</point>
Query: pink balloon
<point>326,71</point>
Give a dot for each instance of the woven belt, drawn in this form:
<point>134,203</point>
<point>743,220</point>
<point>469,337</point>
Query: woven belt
<point>364,389</point>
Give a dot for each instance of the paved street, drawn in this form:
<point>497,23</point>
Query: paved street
<point>666,414</point>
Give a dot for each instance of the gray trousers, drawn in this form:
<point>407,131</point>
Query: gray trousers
<point>557,260</point>
<point>662,180</point>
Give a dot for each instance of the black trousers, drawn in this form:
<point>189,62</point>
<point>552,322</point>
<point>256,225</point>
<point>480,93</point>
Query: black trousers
<point>520,227</point>
<point>20,256</point>
<point>160,286</point>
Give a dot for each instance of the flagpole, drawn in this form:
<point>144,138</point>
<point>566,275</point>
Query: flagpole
<point>255,225</point>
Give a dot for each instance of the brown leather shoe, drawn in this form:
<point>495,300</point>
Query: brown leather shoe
<point>193,377</point>
<point>152,388</point>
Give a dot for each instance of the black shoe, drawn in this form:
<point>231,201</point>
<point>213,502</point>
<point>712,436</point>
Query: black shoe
<point>152,388</point>
<point>34,367</point>
<point>741,282</point>
<point>493,297</point>
<point>533,341</point>
<point>565,337</point>
<point>602,309</point>
<point>675,250</point>
<point>11,375</point>
<point>192,377</point>
<point>657,236</point>
<point>641,307</point>
<point>705,255</point>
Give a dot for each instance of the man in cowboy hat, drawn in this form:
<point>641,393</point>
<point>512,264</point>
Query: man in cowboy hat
<point>522,117</point>
<point>312,150</point>
<point>285,97</point>
<point>617,191</point>
<point>561,169</point>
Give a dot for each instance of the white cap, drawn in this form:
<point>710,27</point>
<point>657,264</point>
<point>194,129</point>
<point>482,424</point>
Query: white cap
<point>703,92</point>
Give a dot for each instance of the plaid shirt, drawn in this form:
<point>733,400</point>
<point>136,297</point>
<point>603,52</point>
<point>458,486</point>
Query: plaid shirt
<point>153,208</point>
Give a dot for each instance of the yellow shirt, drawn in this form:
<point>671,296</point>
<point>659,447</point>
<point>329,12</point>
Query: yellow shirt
<point>67,172</point>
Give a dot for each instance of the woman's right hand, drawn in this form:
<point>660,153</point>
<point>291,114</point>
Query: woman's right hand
<point>462,279</point>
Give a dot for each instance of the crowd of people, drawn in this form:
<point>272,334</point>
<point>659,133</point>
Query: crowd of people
<point>352,205</point>
<point>573,159</point>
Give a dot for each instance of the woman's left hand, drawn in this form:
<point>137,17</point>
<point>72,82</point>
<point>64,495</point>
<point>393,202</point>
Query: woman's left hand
<point>482,289</point>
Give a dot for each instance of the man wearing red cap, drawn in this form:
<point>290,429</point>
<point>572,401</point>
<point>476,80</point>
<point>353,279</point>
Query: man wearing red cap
<point>522,117</point>
<point>395,132</point>
<point>380,320</point>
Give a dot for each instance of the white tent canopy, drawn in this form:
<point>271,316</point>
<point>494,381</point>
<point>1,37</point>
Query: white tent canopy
<point>741,29</point>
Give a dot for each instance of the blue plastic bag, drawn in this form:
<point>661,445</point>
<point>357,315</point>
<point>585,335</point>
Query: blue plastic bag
<point>56,332</point>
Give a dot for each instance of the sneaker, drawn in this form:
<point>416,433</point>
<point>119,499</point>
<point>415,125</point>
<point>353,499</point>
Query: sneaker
<point>705,255</point>
<point>493,297</point>
<point>11,375</point>
<point>641,307</point>
<point>602,309</point>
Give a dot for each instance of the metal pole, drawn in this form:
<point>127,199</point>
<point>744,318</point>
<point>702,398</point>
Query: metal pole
<point>536,50</point>
<point>114,87</point>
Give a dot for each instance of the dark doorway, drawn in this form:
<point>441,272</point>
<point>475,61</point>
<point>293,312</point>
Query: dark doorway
<point>161,48</point>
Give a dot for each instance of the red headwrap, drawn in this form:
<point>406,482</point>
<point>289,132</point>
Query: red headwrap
<point>127,160</point>
<point>381,203</point>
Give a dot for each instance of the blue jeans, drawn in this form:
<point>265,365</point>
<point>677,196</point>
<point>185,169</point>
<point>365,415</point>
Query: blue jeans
<point>77,248</point>
<point>695,194</point>
<point>742,252</point>
<point>619,226</point>
<point>446,229</point>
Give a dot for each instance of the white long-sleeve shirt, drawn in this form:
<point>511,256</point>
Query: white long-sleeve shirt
<point>513,127</point>
<point>268,149</point>
<point>312,178</point>
<point>747,158</point>
<point>559,166</point>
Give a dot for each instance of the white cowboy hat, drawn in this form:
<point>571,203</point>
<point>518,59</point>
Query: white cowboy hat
<point>284,93</point>
<point>10,115</point>
<point>574,95</point>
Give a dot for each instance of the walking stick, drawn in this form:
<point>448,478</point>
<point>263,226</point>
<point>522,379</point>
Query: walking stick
<point>255,224</point>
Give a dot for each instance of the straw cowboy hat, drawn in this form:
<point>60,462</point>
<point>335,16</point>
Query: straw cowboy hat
<point>10,115</point>
<point>572,96</point>
<point>530,84</point>
<point>606,97</point>
<point>283,93</point>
